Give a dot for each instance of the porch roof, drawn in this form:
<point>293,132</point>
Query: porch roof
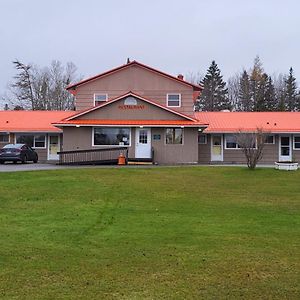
<point>31,121</point>
<point>230,122</point>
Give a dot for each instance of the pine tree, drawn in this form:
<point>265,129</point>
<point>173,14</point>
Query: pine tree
<point>245,100</point>
<point>270,98</point>
<point>290,91</point>
<point>215,94</point>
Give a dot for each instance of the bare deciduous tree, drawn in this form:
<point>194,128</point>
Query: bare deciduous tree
<point>43,88</point>
<point>252,145</point>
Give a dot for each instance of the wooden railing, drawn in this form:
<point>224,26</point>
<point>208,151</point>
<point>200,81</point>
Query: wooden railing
<point>93,156</point>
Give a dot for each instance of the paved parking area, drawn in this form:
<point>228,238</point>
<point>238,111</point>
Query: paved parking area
<point>10,167</point>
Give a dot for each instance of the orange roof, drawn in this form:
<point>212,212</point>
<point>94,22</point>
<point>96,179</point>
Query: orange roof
<point>274,122</point>
<point>196,87</point>
<point>152,123</point>
<point>31,121</point>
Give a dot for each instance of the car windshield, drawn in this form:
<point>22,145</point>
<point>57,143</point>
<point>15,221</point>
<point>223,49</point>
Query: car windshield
<point>13,146</point>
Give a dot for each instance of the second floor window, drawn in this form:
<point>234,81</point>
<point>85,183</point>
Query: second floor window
<point>173,100</point>
<point>99,99</point>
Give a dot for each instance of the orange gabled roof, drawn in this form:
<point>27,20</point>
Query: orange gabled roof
<point>275,122</point>
<point>31,121</point>
<point>152,123</point>
<point>74,116</point>
<point>72,86</point>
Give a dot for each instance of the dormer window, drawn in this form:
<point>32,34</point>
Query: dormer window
<point>100,98</point>
<point>173,100</point>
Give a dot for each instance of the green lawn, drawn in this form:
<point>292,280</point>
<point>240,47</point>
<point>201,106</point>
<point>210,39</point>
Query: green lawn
<point>152,233</point>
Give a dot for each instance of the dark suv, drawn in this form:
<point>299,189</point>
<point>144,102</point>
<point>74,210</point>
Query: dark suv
<point>17,152</point>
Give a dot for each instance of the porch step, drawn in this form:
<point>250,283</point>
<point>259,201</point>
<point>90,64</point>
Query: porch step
<point>139,163</point>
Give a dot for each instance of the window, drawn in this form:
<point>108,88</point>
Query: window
<point>111,136</point>
<point>202,138</point>
<point>297,142</point>
<point>99,99</point>
<point>174,135</point>
<point>230,142</point>
<point>4,138</point>
<point>269,139</point>
<point>173,100</point>
<point>33,141</point>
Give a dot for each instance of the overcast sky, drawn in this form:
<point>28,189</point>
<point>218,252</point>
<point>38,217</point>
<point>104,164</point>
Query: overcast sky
<point>175,36</point>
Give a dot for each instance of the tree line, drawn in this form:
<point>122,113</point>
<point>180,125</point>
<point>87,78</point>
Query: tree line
<point>44,88</point>
<point>252,90</point>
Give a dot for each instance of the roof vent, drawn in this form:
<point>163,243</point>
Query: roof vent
<point>180,76</point>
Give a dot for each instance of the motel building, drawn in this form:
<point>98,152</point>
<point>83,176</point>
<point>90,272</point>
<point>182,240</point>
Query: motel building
<point>151,115</point>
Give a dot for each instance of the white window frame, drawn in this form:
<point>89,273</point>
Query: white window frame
<point>205,135</point>
<point>225,142</point>
<point>294,148</point>
<point>34,135</point>
<point>165,136</point>
<point>111,146</point>
<point>102,94</point>
<point>273,139</point>
<point>6,134</point>
<point>169,94</point>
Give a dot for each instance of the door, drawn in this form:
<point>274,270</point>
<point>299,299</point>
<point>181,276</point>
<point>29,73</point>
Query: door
<point>216,148</point>
<point>53,147</point>
<point>285,148</point>
<point>143,143</point>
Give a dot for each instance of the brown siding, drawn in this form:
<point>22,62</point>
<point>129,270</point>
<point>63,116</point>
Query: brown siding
<point>236,156</point>
<point>204,151</point>
<point>138,80</point>
<point>114,112</point>
<point>176,154</point>
<point>81,139</point>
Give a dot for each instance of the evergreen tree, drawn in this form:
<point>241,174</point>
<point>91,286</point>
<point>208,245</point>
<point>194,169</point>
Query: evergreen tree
<point>214,96</point>
<point>256,84</point>
<point>290,91</point>
<point>270,98</point>
<point>245,100</point>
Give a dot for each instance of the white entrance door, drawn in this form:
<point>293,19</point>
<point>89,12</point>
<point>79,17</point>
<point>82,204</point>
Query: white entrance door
<point>217,148</point>
<point>285,148</point>
<point>53,147</point>
<point>143,143</point>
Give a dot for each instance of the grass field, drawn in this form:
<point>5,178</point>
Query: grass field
<point>156,233</point>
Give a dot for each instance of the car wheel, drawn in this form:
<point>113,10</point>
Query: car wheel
<point>24,160</point>
<point>2,162</point>
<point>35,160</point>
<point>14,161</point>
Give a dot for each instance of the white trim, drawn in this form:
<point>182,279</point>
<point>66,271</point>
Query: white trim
<point>225,144</point>
<point>103,94</point>
<point>296,149</point>
<point>112,146</point>
<point>48,146</point>
<point>137,142</point>
<point>33,134</point>
<point>290,146</point>
<point>211,147</point>
<point>168,94</point>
